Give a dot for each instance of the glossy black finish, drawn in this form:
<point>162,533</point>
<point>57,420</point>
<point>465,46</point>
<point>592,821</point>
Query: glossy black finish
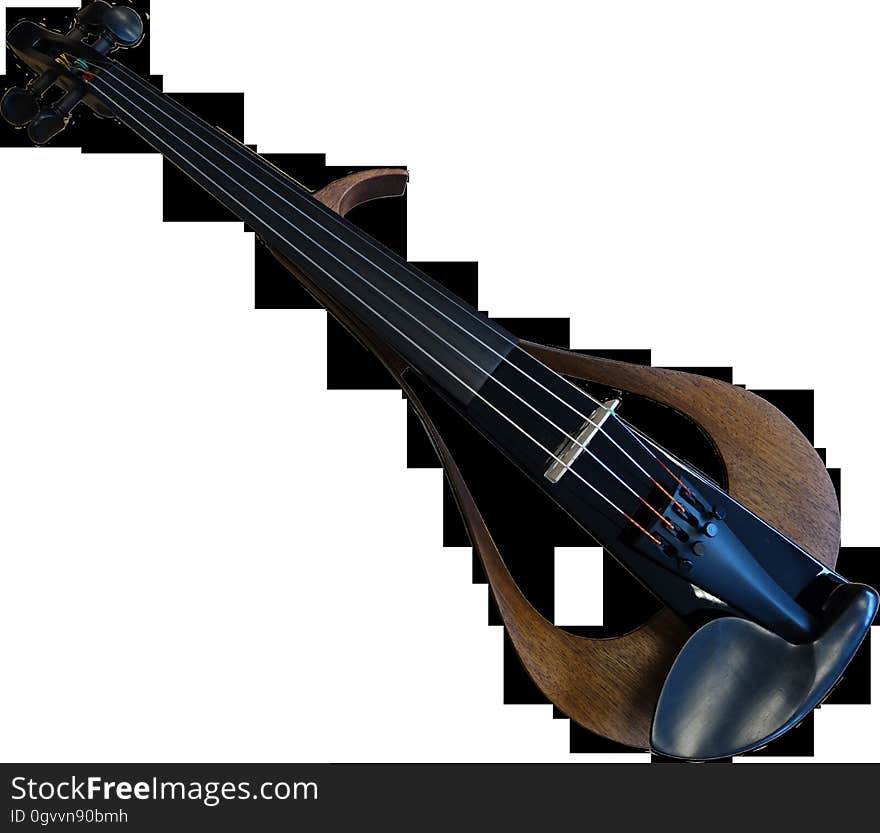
<point>45,125</point>
<point>51,121</point>
<point>736,686</point>
<point>18,106</point>
<point>450,344</point>
<point>99,29</point>
<point>122,23</point>
<point>707,551</point>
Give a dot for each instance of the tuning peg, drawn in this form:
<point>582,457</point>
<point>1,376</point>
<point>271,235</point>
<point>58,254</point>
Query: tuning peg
<point>124,24</point>
<point>46,124</point>
<point>117,25</point>
<point>49,122</point>
<point>19,106</point>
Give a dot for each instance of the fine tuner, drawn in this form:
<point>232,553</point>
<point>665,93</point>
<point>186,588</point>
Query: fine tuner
<point>100,28</point>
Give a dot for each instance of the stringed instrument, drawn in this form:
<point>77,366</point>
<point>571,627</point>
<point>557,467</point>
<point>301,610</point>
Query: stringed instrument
<point>756,626</point>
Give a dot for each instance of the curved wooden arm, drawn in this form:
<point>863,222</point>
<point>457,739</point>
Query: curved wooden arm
<point>342,195</point>
<point>611,686</point>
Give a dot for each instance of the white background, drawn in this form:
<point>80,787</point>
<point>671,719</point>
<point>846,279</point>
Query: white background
<point>194,566</point>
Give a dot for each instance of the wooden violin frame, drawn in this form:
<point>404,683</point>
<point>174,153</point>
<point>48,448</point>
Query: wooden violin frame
<point>611,686</point>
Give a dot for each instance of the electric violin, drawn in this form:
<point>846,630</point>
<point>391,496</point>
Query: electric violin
<point>756,626</point>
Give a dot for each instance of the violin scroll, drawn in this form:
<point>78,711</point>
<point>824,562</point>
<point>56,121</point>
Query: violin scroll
<point>65,61</point>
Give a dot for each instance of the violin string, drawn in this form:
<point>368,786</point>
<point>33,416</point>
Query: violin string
<point>467,358</point>
<point>543,416</point>
<point>390,324</point>
<point>244,152</point>
<point>476,393</point>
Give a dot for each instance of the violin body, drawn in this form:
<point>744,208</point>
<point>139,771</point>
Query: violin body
<point>611,685</point>
<point>757,626</point>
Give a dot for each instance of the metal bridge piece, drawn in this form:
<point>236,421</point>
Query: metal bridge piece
<point>570,450</point>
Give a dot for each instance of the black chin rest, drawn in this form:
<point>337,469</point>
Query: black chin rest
<point>736,686</point>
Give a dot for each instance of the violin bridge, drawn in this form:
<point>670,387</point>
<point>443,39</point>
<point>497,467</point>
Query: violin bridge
<point>565,456</point>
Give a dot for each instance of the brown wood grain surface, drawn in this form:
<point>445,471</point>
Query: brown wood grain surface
<point>610,686</point>
<point>772,468</point>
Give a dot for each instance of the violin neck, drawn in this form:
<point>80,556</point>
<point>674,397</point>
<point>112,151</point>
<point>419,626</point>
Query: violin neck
<point>521,405</point>
<point>448,341</point>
